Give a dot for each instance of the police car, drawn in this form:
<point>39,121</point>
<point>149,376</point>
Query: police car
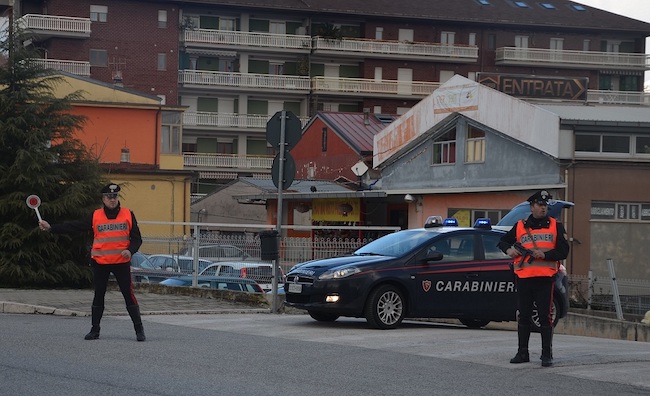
<point>439,271</point>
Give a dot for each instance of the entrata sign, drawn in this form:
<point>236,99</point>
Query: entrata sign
<point>528,86</point>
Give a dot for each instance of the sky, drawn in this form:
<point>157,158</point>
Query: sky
<point>637,9</point>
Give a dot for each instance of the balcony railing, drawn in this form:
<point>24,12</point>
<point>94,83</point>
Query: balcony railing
<point>397,49</point>
<point>243,80</point>
<point>73,67</point>
<point>203,37</point>
<point>572,59</point>
<point>228,120</point>
<point>618,97</point>
<point>230,161</point>
<point>361,86</point>
<point>55,25</point>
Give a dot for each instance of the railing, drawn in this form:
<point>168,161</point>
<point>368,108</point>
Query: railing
<point>243,80</point>
<point>618,97</point>
<point>370,86</point>
<point>55,23</point>
<point>381,48</point>
<point>234,161</point>
<point>249,39</point>
<point>229,120</point>
<point>584,59</point>
<point>73,67</point>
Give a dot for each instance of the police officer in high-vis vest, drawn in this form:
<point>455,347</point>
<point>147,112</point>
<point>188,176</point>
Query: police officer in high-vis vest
<point>116,238</point>
<point>545,237</point>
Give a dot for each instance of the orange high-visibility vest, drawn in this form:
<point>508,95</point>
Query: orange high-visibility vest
<point>112,236</point>
<point>544,239</point>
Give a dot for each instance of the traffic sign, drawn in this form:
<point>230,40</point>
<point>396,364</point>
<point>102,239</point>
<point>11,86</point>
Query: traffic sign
<point>289,170</point>
<point>33,201</point>
<point>292,130</point>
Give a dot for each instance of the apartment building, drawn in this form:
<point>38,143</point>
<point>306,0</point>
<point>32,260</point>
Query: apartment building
<point>233,63</point>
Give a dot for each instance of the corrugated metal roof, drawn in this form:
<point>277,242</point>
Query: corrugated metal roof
<point>302,189</point>
<point>604,113</point>
<point>352,127</point>
<point>501,12</point>
<point>298,186</point>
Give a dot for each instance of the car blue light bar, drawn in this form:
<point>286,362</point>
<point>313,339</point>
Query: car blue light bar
<point>450,222</point>
<point>483,223</point>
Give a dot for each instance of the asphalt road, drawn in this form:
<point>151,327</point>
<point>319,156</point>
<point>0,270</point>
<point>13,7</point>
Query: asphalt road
<point>266,354</point>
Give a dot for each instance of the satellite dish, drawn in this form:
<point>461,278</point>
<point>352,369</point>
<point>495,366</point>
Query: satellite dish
<point>359,168</point>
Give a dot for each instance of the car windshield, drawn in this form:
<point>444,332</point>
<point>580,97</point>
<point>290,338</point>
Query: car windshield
<point>396,244</point>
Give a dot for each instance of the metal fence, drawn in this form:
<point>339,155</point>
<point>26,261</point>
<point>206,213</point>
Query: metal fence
<point>585,291</point>
<point>598,293</point>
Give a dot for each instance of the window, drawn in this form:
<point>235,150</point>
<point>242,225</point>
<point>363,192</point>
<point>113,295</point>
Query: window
<point>475,145</point>
<point>323,143</point>
<point>492,251</point>
<point>98,13</point>
<point>548,6</point>
<point>98,57</point>
<point>444,148</point>
<point>557,44</point>
<point>171,133</point>
<point>162,62</point>
<point>492,41</point>
<point>447,38</point>
<point>227,24</point>
<point>521,4</point>
<point>578,7</point>
<point>276,69</point>
<point>608,144</point>
<point>472,39</point>
<point>521,41</point>
<point>483,2</point>
<point>277,27</point>
<point>586,45</point>
<point>162,18</point>
<point>467,217</point>
<point>642,145</point>
<point>379,33</point>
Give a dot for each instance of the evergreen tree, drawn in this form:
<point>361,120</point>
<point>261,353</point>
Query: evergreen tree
<point>39,154</point>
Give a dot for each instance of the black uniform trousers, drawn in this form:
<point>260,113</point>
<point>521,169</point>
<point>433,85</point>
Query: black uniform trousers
<point>122,272</point>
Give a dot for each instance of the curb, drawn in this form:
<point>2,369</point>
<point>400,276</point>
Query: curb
<point>18,308</point>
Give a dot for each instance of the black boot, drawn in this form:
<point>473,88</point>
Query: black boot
<point>97,312</point>
<point>547,346</point>
<point>523,336</point>
<point>134,312</point>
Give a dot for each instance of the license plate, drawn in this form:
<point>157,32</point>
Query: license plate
<point>295,288</point>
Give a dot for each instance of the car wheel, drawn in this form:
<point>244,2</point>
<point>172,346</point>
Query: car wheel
<point>385,307</point>
<point>323,316</point>
<point>474,323</point>
<point>555,308</point>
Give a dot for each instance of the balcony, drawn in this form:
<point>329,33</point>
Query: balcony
<point>254,82</point>
<point>368,87</point>
<point>46,26</point>
<point>396,50</point>
<point>206,38</point>
<point>215,120</point>
<point>227,162</point>
<point>572,59</point>
<point>73,67</point>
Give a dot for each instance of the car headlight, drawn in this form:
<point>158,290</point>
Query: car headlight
<point>339,273</point>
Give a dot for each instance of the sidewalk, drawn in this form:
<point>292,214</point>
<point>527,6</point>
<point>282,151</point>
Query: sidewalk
<point>78,302</point>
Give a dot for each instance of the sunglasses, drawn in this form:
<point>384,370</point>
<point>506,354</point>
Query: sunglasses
<point>111,195</point>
